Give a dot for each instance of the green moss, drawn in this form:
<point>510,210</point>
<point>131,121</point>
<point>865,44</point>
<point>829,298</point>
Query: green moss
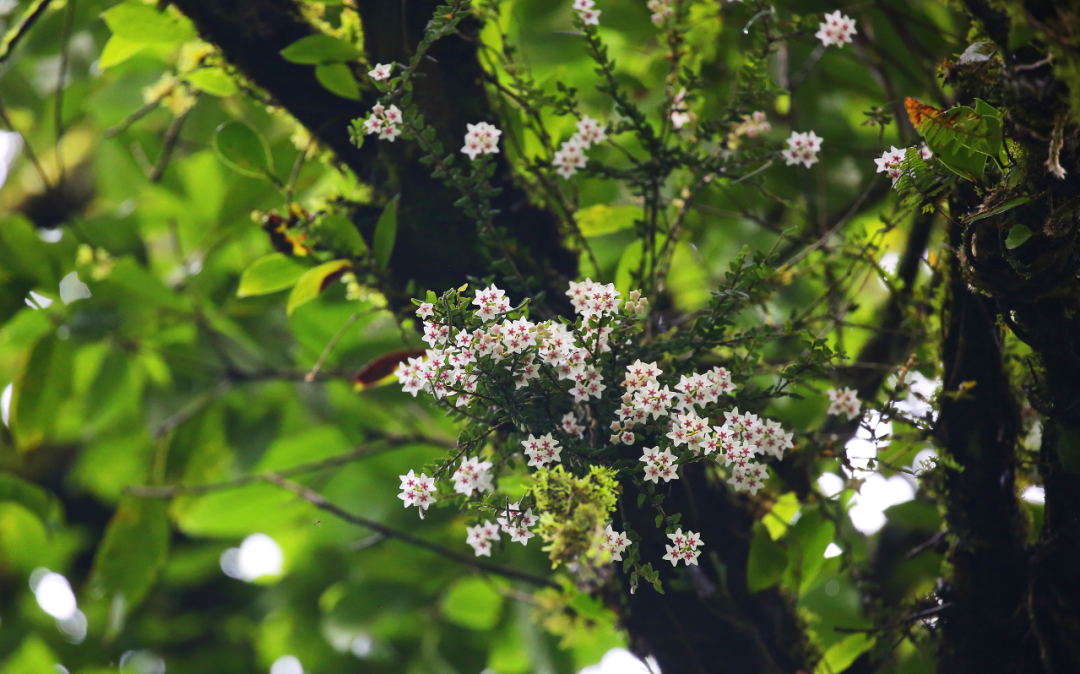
<point>574,511</point>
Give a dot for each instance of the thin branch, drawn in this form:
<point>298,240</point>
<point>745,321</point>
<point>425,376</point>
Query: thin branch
<point>383,444</point>
<point>132,118</point>
<point>321,503</point>
<point>310,376</point>
<point>172,136</point>
<point>190,410</point>
<point>30,154</point>
<point>61,84</point>
<point>918,615</point>
<point>19,31</point>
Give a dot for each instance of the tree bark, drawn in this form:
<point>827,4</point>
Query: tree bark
<point>437,245</point>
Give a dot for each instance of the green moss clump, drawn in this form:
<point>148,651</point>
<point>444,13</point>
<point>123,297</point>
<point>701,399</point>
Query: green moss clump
<point>574,511</point>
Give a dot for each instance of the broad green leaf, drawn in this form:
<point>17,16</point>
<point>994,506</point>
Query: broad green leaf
<point>243,149</point>
<point>32,497</point>
<point>386,233</point>
<point>139,22</point>
<point>1017,236</point>
<point>133,551</point>
<point>604,219</point>
<point>214,81</point>
<point>341,234</point>
<point>314,282</point>
<point>471,602</point>
<point>628,266</point>
<point>767,562</point>
<point>44,385</point>
<point>779,518</point>
<point>270,274</point>
<point>1008,205</point>
<point>33,657</point>
<point>117,50</point>
<point>814,540</point>
<point>338,79</point>
<point>320,48</point>
<point>843,653</point>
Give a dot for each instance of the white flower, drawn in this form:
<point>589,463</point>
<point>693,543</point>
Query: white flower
<point>425,310</point>
<point>480,537</point>
<point>570,157</point>
<point>684,548</point>
<point>590,16</point>
<point>614,543</point>
<point>473,474</point>
<point>492,302</point>
<point>381,71</point>
<point>802,149</point>
<point>836,29</point>
<point>517,523</point>
<point>925,152</point>
<point>583,4</point>
<point>542,450</point>
<point>844,401</point>
<point>482,138</point>
<point>417,491</point>
<point>589,132</point>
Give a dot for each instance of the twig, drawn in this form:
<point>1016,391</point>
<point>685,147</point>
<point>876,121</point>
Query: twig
<point>922,547</point>
<point>172,491</point>
<point>321,503</point>
<point>918,615</point>
<point>30,154</point>
<point>191,409</point>
<point>132,118</point>
<point>61,84</point>
<point>172,136</point>
<point>19,31</point>
<point>310,376</point>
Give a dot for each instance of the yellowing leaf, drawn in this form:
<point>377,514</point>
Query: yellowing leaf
<point>315,281</point>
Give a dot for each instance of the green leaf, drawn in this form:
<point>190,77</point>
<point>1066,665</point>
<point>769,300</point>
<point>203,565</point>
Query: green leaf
<point>843,653</point>
<point>604,219</point>
<point>214,81</point>
<point>628,265</point>
<point>33,657</point>
<point>32,497</point>
<point>1008,205</point>
<point>117,50</point>
<point>1017,236</point>
<point>341,234</point>
<point>767,562</point>
<point>338,79</point>
<point>270,274</point>
<point>320,48</point>
<point>471,602</point>
<point>44,385</point>
<point>134,549</point>
<point>243,149</point>
<point>386,233</point>
<point>314,282</point>
<point>779,518</point>
<point>139,22</point>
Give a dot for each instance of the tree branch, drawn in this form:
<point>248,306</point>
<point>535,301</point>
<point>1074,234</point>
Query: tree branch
<point>321,503</point>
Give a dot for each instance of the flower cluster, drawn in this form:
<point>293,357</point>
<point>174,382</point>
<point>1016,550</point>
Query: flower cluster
<point>484,351</point>
<point>542,451</point>
<point>381,71</point>
<point>662,10</point>
<point>680,115</point>
<point>586,9</point>
<point>684,547</point>
<point>417,491</point>
<point>658,465</point>
<point>384,121</point>
<point>473,474</point>
<point>752,125</point>
<point>482,138</point>
<point>481,536</point>
<point>517,523</point>
<point>614,543</point>
<point>844,401</point>
<point>802,149</point>
<point>571,154</point>
<point>836,29</point>
<point>892,161</point>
